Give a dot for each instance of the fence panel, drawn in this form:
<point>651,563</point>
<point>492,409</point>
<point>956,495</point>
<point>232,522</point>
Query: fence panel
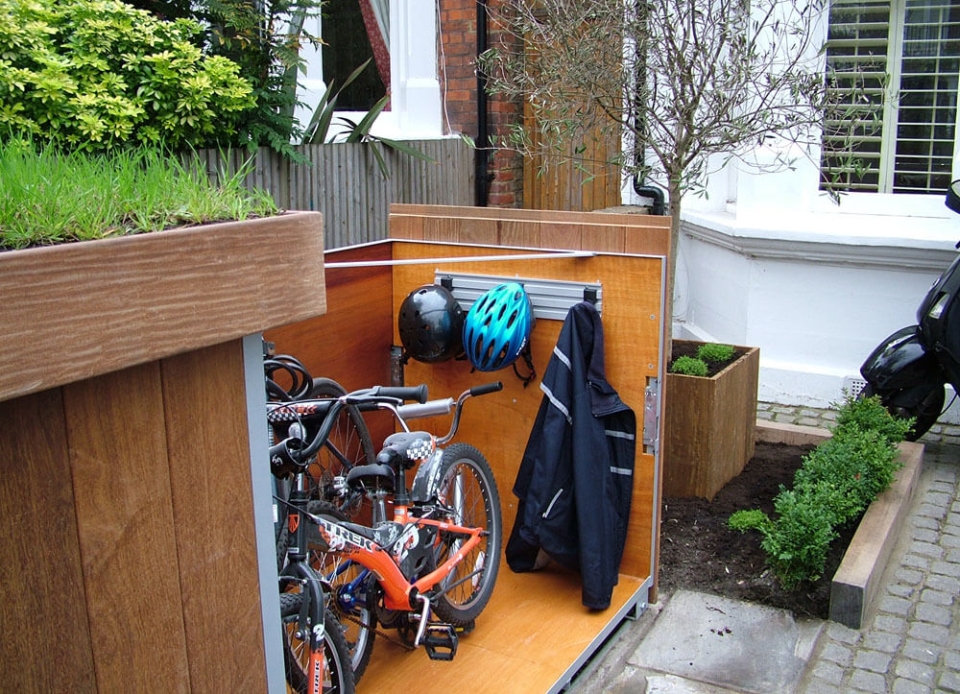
<point>346,184</point>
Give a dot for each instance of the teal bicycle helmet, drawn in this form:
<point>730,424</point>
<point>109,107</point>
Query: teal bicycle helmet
<point>497,327</point>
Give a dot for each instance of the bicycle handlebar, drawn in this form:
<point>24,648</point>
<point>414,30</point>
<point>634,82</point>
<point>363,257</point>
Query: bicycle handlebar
<point>295,451</point>
<point>415,393</point>
<point>494,387</point>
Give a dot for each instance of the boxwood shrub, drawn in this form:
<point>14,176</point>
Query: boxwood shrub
<point>834,485</point>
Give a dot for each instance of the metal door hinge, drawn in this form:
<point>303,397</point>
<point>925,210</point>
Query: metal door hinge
<point>651,415</point>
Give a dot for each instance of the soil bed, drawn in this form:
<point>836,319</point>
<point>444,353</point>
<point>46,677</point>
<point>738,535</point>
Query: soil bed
<point>699,552</point>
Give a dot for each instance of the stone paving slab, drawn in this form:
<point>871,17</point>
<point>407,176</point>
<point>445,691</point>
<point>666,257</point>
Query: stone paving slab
<point>727,643</point>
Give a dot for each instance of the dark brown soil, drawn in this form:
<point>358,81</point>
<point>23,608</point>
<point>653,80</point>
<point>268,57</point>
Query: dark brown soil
<point>699,552</point>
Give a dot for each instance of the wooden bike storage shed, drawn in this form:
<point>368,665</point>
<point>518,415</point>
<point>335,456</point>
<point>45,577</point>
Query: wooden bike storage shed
<point>535,634</point>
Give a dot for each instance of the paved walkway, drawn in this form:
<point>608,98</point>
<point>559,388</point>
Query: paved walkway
<point>910,641</point>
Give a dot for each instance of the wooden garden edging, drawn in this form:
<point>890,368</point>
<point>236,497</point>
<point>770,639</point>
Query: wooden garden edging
<point>857,581</point>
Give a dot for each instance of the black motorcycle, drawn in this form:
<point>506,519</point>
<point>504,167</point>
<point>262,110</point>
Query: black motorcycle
<point>909,370</point>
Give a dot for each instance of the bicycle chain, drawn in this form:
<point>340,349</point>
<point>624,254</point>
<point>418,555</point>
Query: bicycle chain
<point>392,639</point>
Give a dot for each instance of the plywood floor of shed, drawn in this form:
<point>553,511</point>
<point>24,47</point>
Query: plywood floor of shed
<point>533,631</point>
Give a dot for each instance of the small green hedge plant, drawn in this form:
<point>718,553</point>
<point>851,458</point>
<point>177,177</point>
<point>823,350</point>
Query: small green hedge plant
<point>713,352</point>
<point>834,485</point>
<point>94,74</point>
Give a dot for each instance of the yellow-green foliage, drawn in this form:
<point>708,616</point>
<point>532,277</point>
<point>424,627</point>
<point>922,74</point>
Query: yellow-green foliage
<point>93,74</point>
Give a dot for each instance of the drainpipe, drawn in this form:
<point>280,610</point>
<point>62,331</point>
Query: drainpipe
<point>481,177</point>
<point>652,192</point>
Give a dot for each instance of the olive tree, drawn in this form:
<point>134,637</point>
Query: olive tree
<point>685,82</point>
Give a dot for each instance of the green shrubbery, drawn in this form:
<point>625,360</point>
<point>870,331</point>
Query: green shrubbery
<point>689,366</point>
<point>91,74</point>
<point>835,484</point>
<point>707,353</point>
<point>714,353</point>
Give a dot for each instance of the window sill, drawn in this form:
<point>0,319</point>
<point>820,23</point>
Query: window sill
<point>865,239</point>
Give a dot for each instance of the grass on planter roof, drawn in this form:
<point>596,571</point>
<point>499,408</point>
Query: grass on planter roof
<point>48,196</point>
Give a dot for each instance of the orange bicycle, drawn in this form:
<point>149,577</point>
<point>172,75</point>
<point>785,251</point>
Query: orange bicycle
<point>430,569</point>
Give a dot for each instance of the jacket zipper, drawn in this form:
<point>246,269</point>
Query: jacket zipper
<point>552,502</point>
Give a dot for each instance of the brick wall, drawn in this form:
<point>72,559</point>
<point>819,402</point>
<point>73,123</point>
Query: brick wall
<point>458,83</point>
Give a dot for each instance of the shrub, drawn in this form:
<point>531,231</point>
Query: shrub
<point>713,352</point>
<point>834,485</point>
<point>94,74</point>
<point>689,366</point>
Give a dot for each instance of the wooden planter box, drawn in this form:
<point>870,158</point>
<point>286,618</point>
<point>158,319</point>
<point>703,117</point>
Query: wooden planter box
<point>125,454</point>
<point>709,427</point>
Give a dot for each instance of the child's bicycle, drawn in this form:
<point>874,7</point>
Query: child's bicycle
<point>430,570</point>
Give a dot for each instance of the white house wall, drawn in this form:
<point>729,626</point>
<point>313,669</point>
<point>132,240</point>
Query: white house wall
<point>765,262</point>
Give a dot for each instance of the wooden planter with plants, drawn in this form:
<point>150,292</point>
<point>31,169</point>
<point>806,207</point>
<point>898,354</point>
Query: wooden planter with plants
<point>709,425</point>
<point>127,473</point>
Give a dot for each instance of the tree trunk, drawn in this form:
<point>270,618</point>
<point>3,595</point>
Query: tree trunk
<point>674,193</point>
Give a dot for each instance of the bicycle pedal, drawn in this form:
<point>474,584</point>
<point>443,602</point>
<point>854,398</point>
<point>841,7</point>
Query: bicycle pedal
<point>440,641</point>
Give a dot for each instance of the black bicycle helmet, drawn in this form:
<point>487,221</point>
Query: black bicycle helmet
<point>431,324</point>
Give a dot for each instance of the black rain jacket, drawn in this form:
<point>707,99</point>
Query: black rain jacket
<point>575,481</point>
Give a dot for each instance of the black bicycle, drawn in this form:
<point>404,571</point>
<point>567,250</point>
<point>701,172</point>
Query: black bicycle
<point>347,445</point>
<point>316,654</point>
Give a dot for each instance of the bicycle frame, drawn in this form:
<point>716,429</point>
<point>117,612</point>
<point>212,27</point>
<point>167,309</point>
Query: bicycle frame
<point>299,569</point>
<point>399,592</point>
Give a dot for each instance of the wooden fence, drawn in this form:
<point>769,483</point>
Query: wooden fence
<point>345,183</point>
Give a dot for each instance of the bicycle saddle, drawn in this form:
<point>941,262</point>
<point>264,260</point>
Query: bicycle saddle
<point>406,448</point>
<point>373,471</point>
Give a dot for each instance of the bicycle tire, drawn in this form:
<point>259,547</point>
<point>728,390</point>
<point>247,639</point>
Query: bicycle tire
<point>468,491</point>
<point>340,678</point>
<point>350,602</point>
<point>349,444</point>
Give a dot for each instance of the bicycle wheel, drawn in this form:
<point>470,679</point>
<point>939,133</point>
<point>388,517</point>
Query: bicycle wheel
<point>349,444</point>
<point>348,596</point>
<point>468,493</point>
<point>339,677</point>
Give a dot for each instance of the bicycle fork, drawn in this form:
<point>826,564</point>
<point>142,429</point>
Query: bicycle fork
<point>310,622</point>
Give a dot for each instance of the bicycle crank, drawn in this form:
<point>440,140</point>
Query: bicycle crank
<point>440,641</point>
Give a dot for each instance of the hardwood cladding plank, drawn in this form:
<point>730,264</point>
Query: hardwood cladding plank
<point>126,529</point>
<point>100,306</point>
<point>41,574</point>
<point>213,516</point>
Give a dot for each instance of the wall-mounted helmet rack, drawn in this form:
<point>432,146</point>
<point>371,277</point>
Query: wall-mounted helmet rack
<point>551,299</point>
